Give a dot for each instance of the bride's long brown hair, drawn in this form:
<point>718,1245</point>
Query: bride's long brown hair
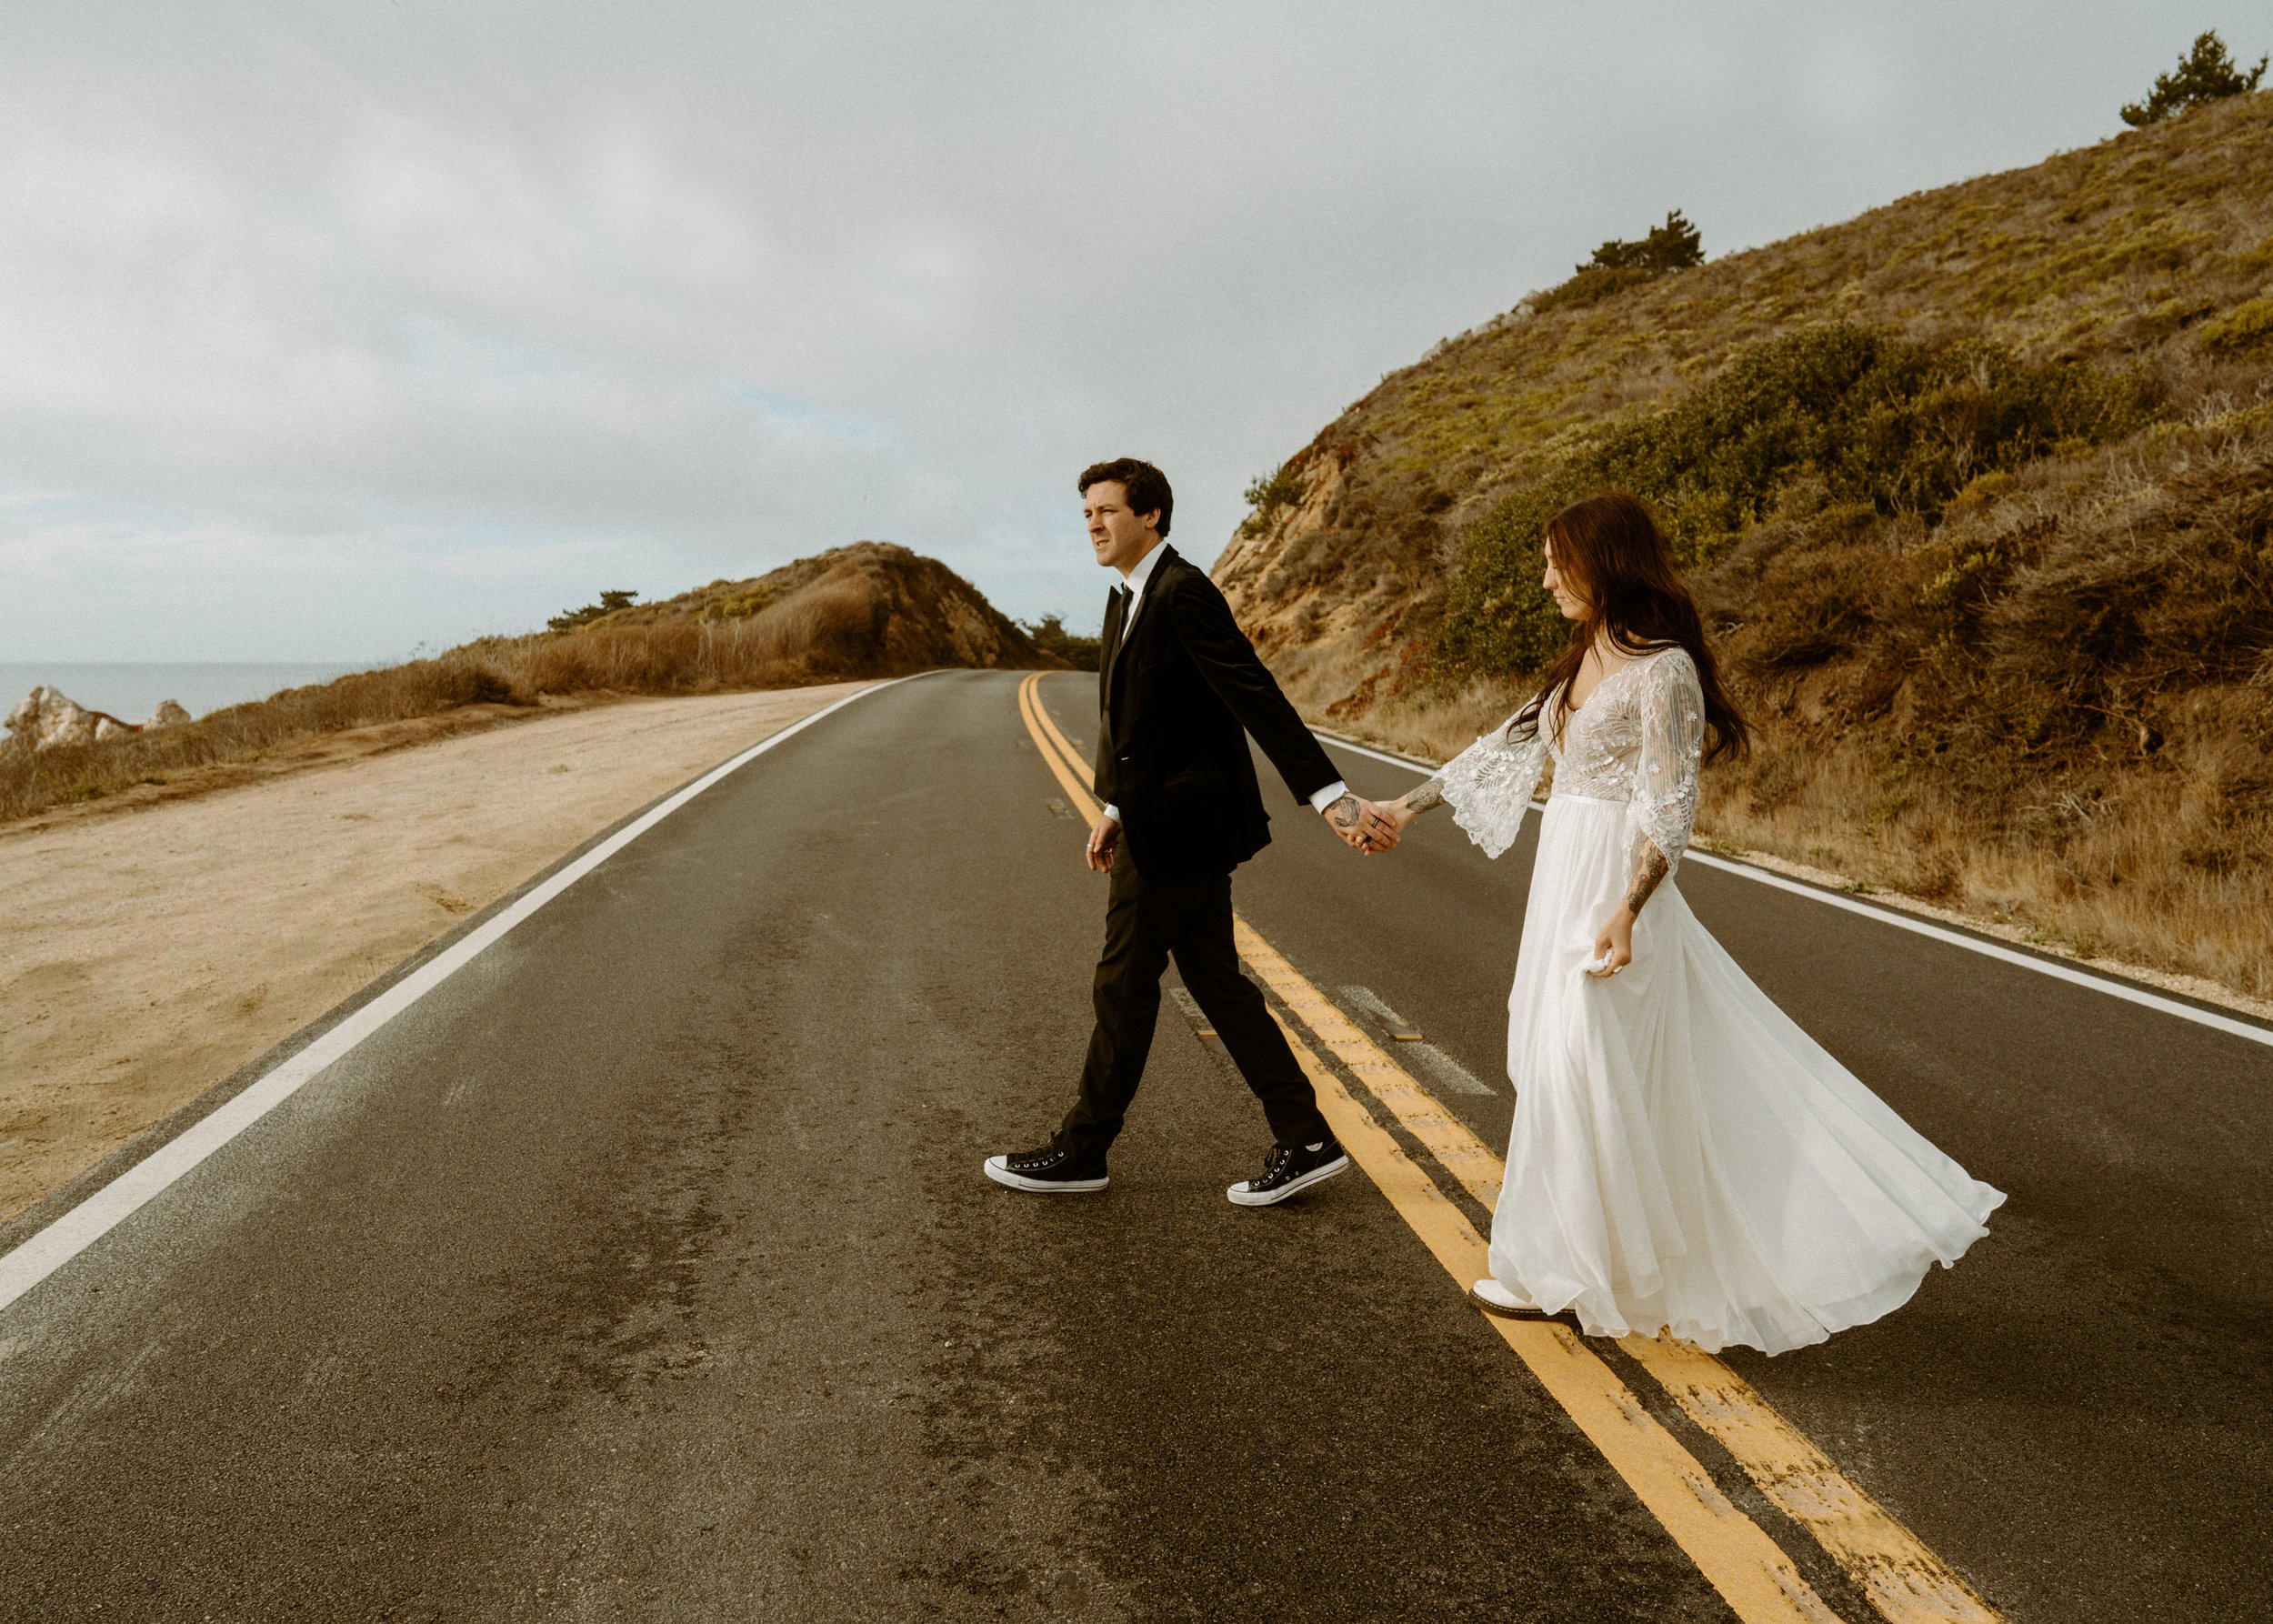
<point>1609,547</point>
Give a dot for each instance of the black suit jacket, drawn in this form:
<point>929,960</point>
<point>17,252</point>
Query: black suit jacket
<point>1179,692</point>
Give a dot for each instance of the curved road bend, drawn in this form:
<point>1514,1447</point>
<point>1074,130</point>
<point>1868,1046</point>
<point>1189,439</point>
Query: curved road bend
<point>643,1269</point>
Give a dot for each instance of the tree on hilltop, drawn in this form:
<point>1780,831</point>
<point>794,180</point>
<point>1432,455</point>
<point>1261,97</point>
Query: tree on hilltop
<point>1674,247</point>
<point>609,603</point>
<point>2204,74</point>
<point>1619,265</point>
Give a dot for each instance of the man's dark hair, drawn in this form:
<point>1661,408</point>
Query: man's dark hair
<point>1146,485</point>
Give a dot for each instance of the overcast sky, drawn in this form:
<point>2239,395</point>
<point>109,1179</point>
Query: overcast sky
<point>332,330</point>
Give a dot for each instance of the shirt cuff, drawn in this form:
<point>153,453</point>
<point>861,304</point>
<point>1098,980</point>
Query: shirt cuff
<point>1112,812</point>
<point>1325,798</point>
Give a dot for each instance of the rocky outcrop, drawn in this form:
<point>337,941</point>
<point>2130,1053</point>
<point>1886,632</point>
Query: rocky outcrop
<point>47,717</point>
<point>870,609</point>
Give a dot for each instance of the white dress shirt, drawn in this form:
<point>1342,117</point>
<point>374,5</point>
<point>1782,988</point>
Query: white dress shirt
<point>1136,579</point>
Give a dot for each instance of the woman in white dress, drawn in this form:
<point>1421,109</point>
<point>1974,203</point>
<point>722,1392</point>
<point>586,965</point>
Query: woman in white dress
<point>1685,1159</point>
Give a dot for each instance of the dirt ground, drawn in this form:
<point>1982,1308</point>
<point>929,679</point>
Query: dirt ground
<point>147,954</point>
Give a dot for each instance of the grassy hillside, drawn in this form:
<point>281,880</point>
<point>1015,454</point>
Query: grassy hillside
<point>871,609</point>
<point>1976,489</point>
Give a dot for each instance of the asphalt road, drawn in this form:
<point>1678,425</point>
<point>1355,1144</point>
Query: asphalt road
<point>645,1268</point>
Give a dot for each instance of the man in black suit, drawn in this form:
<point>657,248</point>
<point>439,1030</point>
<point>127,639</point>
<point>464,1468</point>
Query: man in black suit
<point>1181,689</point>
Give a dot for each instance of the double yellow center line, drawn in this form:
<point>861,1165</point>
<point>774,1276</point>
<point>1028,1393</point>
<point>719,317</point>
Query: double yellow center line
<point>1904,1581</point>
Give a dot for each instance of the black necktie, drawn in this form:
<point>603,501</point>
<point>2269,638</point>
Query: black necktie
<point>1121,596</point>
<point>1116,627</point>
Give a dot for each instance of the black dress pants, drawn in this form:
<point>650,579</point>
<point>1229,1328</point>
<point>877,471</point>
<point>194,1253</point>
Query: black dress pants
<point>1145,922</point>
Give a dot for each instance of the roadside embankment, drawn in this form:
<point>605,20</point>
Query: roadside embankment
<point>149,955</point>
<point>1975,492</point>
<point>854,612</point>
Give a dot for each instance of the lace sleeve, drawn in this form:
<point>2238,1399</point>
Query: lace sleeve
<point>1664,808</point>
<point>1489,784</point>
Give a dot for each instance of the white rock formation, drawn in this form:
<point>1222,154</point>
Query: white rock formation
<point>46,718</point>
<point>169,714</point>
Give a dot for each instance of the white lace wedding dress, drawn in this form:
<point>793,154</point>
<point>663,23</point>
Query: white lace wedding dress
<point>1684,1156</point>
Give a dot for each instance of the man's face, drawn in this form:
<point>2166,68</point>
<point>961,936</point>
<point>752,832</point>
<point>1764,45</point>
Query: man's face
<point>1119,536</point>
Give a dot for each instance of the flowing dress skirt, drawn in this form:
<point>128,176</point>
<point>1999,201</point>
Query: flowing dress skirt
<point>1684,1156</point>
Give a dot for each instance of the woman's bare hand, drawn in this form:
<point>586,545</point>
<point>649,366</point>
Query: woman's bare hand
<point>1384,824</point>
<point>1614,943</point>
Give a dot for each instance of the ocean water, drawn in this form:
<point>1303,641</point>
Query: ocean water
<point>130,690</point>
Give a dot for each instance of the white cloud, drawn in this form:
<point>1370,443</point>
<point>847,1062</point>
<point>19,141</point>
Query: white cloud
<point>330,329</point>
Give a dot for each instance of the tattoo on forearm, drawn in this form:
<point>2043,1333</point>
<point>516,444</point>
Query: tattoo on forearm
<point>1431,794</point>
<point>1652,869</point>
<point>1343,814</point>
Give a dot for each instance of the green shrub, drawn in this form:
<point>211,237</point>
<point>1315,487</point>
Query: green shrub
<point>742,606</point>
<point>1674,247</point>
<point>1266,495</point>
<point>2205,73</point>
<point>2246,328</point>
<point>1498,616</point>
<point>1050,635</point>
<point>1592,285</point>
<point>1865,419</point>
<point>1619,265</point>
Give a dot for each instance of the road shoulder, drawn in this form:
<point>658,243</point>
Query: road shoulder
<point>148,956</point>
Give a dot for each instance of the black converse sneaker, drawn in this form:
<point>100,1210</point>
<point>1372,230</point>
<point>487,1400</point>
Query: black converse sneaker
<point>1048,1171</point>
<point>1289,1169</point>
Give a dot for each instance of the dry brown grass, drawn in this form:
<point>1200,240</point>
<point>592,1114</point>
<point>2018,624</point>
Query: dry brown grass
<point>1435,723</point>
<point>2053,711</point>
<point>2172,870</point>
<point>2134,252</point>
<point>869,610</point>
<point>2049,704</point>
<point>2096,874</point>
<point>33,781</point>
<point>1827,807</point>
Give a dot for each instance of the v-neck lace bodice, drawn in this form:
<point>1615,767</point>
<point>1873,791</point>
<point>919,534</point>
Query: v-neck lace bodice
<point>1640,739</point>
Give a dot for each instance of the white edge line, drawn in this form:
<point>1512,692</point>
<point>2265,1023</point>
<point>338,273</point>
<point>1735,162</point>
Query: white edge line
<point>2114,988</point>
<point>2097,983</point>
<point>1415,762</point>
<point>51,1248</point>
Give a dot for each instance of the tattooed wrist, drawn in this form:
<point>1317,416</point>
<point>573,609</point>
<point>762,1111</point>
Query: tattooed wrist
<point>1431,794</point>
<point>1652,869</point>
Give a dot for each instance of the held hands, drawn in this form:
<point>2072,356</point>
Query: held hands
<point>1363,826</point>
<point>1367,826</point>
<point>1383,825</point>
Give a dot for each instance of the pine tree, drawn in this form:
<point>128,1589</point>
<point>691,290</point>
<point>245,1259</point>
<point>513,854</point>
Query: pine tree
<point>610,601</point>
<point>2205,73</point>
<point>1674,247</point>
